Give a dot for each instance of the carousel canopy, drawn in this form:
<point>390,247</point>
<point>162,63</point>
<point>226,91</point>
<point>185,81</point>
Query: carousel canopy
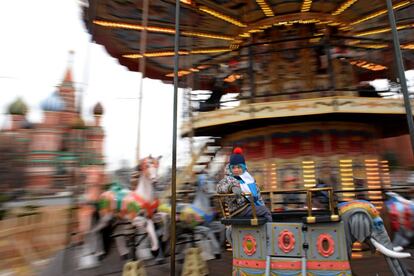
<point>215,35</point>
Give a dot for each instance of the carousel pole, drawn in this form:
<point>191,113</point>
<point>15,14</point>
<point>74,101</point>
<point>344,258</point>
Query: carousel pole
<point>401,72</point>
<point>142,49</point>
<point>174,149</point>
<point>190,84</point>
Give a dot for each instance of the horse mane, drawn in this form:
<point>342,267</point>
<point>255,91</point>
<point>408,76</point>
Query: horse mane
<point>135,178</point>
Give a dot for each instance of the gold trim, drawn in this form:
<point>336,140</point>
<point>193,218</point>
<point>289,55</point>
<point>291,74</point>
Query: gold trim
<point>344,6</point>
<point>156,29</point>
<point>383,30</point>
<point>380,12</point>
<point>292,18</point>
<point>266,9</point>
<point>222,16</point>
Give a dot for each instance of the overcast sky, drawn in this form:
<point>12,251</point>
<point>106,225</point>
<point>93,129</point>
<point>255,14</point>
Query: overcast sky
<point>36,38</point>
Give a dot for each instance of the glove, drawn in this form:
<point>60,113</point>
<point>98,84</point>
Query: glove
<point>237,191</point>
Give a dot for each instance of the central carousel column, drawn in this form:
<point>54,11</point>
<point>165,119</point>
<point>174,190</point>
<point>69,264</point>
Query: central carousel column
<point>251,72</point>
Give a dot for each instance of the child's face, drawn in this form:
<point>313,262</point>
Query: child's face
<point>237,170</point>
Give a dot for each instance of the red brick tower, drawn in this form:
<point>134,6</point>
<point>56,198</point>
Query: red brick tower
<point>67,93</point>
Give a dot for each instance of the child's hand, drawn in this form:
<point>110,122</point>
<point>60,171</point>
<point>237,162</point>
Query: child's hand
<point>237,191</point>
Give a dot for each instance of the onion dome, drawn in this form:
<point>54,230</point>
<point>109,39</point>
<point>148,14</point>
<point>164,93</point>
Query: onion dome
<point>53,103</point>
<point>78,123</point>
<point>18,107</point>
<point>98,110</point>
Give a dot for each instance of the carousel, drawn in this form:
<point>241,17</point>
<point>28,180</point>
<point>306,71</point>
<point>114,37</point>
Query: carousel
<point>288,81</point>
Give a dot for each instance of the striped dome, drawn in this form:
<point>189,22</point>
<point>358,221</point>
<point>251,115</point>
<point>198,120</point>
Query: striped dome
<point>53,103</point>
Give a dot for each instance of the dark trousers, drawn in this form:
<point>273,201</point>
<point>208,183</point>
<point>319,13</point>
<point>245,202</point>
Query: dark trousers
<point>261,212</point>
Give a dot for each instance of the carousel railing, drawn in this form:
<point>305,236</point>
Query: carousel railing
<point>30,238</point>
<point>310,218</point>
<point>313,214</point>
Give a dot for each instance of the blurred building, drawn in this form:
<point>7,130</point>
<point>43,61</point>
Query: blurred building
<point>60,152</point>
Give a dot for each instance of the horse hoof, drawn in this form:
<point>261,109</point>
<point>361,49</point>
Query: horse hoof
<point>155,252</point>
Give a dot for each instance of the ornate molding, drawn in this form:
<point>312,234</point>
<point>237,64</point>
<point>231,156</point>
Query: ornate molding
<point>302,107</point>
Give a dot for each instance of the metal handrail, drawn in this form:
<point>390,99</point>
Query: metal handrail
<point>309,194</point>
<point>303,191</point>
<point>247,196</point>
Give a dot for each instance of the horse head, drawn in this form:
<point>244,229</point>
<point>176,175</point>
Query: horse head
<point>148,168</point>
<point>200,210</point>
<point>202,193</point>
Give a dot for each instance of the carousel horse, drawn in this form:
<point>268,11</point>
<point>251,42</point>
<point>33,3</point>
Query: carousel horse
<point>199,212</point>
<point>401,215</point>
<point>136,207</point>
<point>142,204</point>
<point>197,218</point>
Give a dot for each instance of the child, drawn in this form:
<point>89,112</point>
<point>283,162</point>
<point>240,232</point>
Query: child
<point>239,181</point>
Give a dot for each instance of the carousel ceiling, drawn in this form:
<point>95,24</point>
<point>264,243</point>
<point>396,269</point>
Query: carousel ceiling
<point>216,34</point>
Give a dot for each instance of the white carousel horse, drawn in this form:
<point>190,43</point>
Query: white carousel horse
<point>141,205</point>
<point>124,205</point>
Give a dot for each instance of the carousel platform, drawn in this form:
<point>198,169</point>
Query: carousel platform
<point>64,264</point>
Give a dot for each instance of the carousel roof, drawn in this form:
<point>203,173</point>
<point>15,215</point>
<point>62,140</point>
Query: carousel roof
<point>215,34</point>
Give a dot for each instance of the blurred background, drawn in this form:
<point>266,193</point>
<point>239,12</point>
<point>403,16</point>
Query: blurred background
<point>312,99</point>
